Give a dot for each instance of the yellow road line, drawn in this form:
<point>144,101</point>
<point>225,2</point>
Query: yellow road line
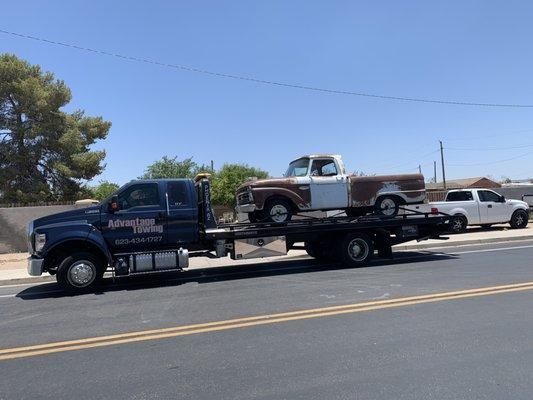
<point>154,334</point>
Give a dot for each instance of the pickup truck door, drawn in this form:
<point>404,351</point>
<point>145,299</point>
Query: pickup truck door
<point>492,209</point>
<point>182,210</point>
<point>329,189</point>
<point>139,223</point>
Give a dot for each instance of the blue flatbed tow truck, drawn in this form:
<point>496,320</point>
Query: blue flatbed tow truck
<point>151,226</point>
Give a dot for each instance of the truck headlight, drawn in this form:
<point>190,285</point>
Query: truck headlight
<point>40,241</point>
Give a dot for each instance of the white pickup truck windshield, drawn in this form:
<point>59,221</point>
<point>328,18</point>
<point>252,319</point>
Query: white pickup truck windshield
<point>298,167</point>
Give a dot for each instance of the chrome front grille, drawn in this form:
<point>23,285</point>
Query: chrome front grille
<point>244,198</point>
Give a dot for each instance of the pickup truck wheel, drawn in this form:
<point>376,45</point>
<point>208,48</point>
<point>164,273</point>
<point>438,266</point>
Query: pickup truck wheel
<point>277,210</point>
<point>80,271</point>
<point>387,206</point>
<point>458,224</point>
<point>356,250</point>
<point>518,219</point>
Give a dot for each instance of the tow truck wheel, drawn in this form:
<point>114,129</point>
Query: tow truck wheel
<point>357,250</point>
<point>80,271</point>
<point>317,250</point>
<point>519,219</point>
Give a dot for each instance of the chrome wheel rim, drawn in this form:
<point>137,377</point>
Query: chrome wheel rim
<point>279,213</point>
<point>388,207</point>
<point>457,224</point>
<point>82,273</point>
<point>358,249</point>
<point>519,219</point>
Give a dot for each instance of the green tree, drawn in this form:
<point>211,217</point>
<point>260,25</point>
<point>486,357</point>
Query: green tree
<point>104,190</point>
<point>44,152</point>
<point>229,178</point>
<point>169,167</point>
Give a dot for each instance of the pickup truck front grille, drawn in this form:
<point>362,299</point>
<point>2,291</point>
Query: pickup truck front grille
<point>244,198</point>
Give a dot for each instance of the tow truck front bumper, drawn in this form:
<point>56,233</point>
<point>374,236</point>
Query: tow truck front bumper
<point>35,266</point>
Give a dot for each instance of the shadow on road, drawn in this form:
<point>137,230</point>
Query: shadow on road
<point>221,274</point>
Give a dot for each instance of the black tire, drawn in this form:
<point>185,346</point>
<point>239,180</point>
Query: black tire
<point>355,212</point>
<point>387,206</point>
<point>458,224</point>
<point>89,273</point>
<point>254,217</point>
<point>277,210</point>
<point>356,250</point>
<point>317,250</point>
<point>519,219</point>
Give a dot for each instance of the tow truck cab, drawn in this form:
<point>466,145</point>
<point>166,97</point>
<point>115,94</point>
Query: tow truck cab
<point>141,216</point>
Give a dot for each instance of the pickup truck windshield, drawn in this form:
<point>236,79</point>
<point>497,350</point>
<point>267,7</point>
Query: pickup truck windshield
<point>298,167</point>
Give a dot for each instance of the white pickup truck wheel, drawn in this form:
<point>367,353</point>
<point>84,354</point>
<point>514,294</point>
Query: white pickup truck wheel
<point>518,219</point>
<point>458,224</point>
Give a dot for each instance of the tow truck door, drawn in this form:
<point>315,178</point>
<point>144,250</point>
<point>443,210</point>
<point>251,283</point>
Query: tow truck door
<point>329,187</point>
<point>182,219</point>
<point>139,224</point>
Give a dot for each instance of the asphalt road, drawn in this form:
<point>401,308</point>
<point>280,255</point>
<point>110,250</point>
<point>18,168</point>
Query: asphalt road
<point>458,346</point>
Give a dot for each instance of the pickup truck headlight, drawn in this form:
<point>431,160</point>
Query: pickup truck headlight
<point>40,241</point>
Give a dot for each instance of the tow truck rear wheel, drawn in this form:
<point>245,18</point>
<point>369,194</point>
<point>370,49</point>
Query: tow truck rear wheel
<point>356,250</point>
<point>80,272</point>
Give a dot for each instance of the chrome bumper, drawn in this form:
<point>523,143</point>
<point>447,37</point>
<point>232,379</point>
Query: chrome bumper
<point>246,208</point>
<point>35,266</point>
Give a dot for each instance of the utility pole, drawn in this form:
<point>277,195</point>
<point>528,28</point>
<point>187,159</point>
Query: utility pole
<point>212,166</point>
<point>435,172</point>
<point>442,161</point>
<point>419,168</point>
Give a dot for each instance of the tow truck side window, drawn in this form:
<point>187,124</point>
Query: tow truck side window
<point>139,195</point>
<point>460,196</point>
<point>178,196</point>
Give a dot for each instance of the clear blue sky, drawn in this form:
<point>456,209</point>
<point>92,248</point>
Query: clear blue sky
<point>477,51</point>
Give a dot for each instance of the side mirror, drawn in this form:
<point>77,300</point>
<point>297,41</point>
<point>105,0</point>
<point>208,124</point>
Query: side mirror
<point>113,204</point>
<point>502,199</point>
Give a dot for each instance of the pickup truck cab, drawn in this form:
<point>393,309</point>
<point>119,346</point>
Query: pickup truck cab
<point>320,182</point>
<point>482,207</point>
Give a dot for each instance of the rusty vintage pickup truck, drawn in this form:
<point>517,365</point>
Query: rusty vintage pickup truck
<point>319,182</point>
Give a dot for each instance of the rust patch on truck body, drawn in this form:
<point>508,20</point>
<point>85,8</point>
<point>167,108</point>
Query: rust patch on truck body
<point>365,190</point>
<point>263,189</point>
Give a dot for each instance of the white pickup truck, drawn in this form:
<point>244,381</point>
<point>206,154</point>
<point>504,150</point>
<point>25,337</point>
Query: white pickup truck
<point>482,207</point>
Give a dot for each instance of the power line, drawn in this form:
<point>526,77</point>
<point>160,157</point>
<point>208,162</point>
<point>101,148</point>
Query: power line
<point>491,162</point>
<point>262,81</point>
<point>488,148</point>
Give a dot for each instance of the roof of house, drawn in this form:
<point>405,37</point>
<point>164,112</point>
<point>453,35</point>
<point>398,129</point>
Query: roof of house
<point>462,183</point>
